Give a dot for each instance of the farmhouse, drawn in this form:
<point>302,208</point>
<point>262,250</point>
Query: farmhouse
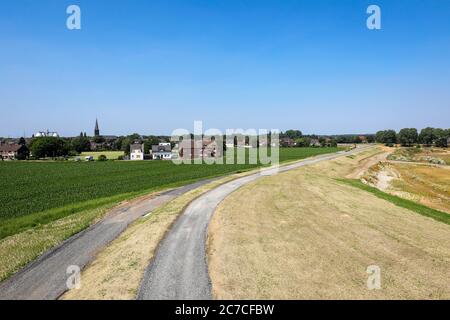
<point>162,151</point>
<point>363,139</point>
<point>287,142</point>
<point>195,149</point>
<point>315,142</point>
<point>13,151</point>
<point>137,151</point>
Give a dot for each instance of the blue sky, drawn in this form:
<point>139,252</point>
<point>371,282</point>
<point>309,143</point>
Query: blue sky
<point>152,66</point>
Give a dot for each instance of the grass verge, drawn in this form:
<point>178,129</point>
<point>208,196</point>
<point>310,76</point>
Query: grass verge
<point>404,203</point>
<point>18,250</point>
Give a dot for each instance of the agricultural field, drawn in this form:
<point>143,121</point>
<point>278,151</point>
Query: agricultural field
<point>110,155</point>
<point>37,193</point>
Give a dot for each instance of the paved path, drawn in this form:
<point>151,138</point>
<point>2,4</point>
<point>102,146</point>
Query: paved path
<point>45,278</point>
<point>179,270</point>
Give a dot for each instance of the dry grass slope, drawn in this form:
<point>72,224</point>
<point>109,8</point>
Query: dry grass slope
<point>304,235</point>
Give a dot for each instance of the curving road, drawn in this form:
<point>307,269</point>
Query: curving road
<point>45,278</point>
<point>179,270</point>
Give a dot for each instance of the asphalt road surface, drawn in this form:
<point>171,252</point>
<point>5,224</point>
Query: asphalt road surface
<point>179,270</point>
<point>45,278</point>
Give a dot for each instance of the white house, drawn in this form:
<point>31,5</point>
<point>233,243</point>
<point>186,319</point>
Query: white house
<point>137,151</point>
<point>162,151</point>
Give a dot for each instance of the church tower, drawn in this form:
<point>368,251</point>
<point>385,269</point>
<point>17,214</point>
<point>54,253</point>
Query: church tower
<point>96,130</point>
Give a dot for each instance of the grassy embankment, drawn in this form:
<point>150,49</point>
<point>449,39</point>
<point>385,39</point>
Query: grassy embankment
<point>404,203</point>
<point>306,235</point>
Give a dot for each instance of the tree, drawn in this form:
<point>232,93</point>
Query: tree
<point>125,142</point>
<point>370,138</point>
<point>426,136</point>
<point>125,145</point>
<point>390,137</point>
<point>149,142</point>
<point>440,138</point>
<point>408,136</point>
<point>303,142</point>
<point>293,134</point>
<point>322,141</point>
<point>23,153</point>
<point>44,147</point>
<point>22,141</point>
<point>99,139</point>
<point>387,137</point>
<point>379,136</point>
<point>81,144</point>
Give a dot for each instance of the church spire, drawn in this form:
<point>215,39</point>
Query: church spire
<point>96,130</point>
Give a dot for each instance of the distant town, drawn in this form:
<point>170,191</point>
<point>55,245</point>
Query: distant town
<point>50,145</point>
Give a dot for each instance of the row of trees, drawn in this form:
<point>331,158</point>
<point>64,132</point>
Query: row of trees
<point>49,147</point>
<point>54,147</point>
<point>305,140</point>
<point>410,136</point>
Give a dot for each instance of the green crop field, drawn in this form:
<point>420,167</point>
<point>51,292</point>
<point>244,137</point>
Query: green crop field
<point>36,193</point>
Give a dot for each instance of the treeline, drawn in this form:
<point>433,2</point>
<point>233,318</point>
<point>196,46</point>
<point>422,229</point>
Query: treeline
<point>301,140</point>
<point>56,147</point>
<point>410,136</point>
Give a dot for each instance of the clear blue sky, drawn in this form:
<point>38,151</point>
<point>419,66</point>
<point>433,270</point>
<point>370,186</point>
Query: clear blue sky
<point>152,66</point>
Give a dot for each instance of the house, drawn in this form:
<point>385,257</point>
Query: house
<point>288,142</point>
<point>200,149</point>
<point>315,142</point>
<point>210,148</point>
<point>137,151</point>
<point>13,151</point>
<point>162,151</point>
